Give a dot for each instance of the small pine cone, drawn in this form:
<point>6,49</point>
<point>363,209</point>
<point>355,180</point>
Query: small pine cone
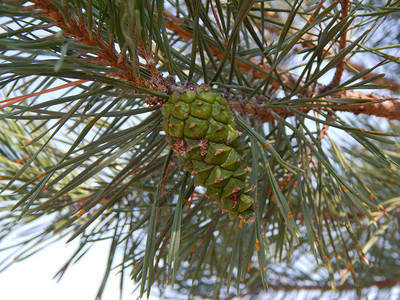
<point>200,128</point>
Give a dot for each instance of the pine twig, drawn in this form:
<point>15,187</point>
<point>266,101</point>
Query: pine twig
<point>352,66</point>
<point>387,107</point>
<point>342,45</point>
<point>76,27</point>
<point>387,283</point>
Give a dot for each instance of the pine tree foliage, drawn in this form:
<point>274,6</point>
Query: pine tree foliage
<point>84,154</point>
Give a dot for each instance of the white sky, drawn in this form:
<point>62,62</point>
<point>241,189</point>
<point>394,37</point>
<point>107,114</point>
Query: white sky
<point>32,279</point>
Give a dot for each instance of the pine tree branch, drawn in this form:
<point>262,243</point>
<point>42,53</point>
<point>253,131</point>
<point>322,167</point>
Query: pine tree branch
<point>342,45</point>
<point>76,27</point>
<point>352,66</point>
<point>309,41</point>
<point>387,107</point>
<point>386,283</point>
<point>175,25</point>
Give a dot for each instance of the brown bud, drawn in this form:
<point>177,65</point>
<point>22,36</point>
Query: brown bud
<point>218,180</point>
<point>218,152</point>
<point>235,190</point>
<point>203,144</point>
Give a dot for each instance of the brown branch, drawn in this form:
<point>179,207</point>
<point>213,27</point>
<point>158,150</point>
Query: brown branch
<point>387,283</point>
<point>356,68</point>
<point>379,106</point>
<point>342,63</point>
<point>342,45</point>
<point>380,284</point>
<point>76,27</point>
<point>394,85</point>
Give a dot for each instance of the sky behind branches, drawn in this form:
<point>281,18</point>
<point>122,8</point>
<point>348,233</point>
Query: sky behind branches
<point>32,279</point>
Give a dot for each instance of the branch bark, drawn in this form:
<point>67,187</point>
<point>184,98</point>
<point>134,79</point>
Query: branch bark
<point>342,45</point>
<point>107,54</point>
<point>394,85</point>
<point>386,107</point>
<point>348,287</point>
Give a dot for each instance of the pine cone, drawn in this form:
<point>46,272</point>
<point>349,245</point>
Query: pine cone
<point>200,128</point>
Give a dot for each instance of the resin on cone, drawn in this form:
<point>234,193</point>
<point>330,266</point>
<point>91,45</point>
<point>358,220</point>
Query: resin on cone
<point>200,128</point>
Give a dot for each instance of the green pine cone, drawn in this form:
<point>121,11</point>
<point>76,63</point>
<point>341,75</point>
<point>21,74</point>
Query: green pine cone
<point>200,128</point>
